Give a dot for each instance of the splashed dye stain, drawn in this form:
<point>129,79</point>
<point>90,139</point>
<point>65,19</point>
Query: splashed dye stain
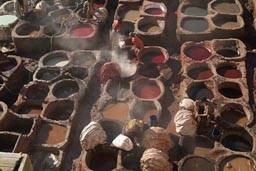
<point>226,7</point>
<point>197,52</point>
<point>8,64</point>
<point>237,163</point>
<point>153,57</point>
<point>200,73</point>
<point>195,11</point>
<point>236,143</point>
<point>84,31</point>
<point>228,52</point>
<point>235,116</point>
<point>197,164</point>
<point>50,133</point>
<point>147,91</point>
<point>58,61</point>
<point>229,72</point>
<point>154,11</point>
<point>117,111</point>
<point>150,28</point>
<point>195,24</point>
<point>108,161</point>
<point>7,19</point>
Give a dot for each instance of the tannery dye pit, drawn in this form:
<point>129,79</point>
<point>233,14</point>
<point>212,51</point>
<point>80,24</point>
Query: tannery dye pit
<point>136,85</point>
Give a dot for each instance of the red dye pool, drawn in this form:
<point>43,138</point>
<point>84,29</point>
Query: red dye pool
<point>7,65</point>
<point>229,72</point>
<point>148,91</point>
<point>96,5</point>
<point>197,52</point>
<point>83,31</point>
<point>153,57</point>
<point>200,73</point>
<point>154,11</point>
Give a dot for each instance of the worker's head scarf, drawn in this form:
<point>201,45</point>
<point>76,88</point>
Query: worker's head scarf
<point>187,104</point>
<point>109,70</point>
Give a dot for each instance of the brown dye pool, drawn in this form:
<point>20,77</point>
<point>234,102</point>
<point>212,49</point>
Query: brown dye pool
<point>117,111</point>
<point>58,61</point>
<point>149,28</point>
<point>238,163</point>
<point>231,92</point>
<point>61,110</point>
<point>195,24</point>
<point>237,143</point>
<point>65,90</point>
<point>154,11</point>
<point>226,7</point>
<point>203,146</point>
<point>199,91</point>
<point>103,161</point>
<point>30,110</point>
<point>229,52</point>
<point>229,72</point>
<point>37,92</point>
<point>197,52</point>
<point>7,142</point>
<point>197,164</point>
<point>7,64</point>
<point>235,116</point>
<point>200,73</point>
<point>195,11</point>
<point>50,133</point>
<point>130,14</point>
<point>147,91</point>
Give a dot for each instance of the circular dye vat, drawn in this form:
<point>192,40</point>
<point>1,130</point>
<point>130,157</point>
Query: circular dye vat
<point>59,110</point>
<point>197,52</point>
<point>195,11</point>
<point>196,92</point>
<point>149,28</point>
<point>58,60</point>
<point>230,90</point>
<point>149,70</point>
<point>65,89</point>
<point>51,133</point>
<point>82,31</point>
<point>7,64</point>
<point>47,74</point>
<point>80,73</point>
<point>116,111</point>
<point>112,129</point>
<point>131,14</point>
<point>237,143</point>
<point>154,11</point>
<point>195,24</point>
<point>29,109</point>
<point>229,52</point>
<point>153,57</point>
<point>7,19</point>
<point>235,116</point>
<point>197,164</point>
<point>28,30</point>
<point>237,163</point>
<point>229,71</point>
<point>146,89</point>
<point>229,7</point>
<point>37,92</point>
<point>203,146</point>
<point>103,160</point>
<point>200,73</point>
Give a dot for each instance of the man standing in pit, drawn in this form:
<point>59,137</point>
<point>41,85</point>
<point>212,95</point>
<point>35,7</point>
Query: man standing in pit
<point>186,125</point>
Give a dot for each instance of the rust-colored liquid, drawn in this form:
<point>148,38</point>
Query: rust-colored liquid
<point>51,134</point>
<point>153,57</point>
<point>229,72</point>
<point>154,11</point>
<point>82,31</point>
<point>197,52</point>
<point>36,110</point>
<point>118,111</point>
<point>200,73</point>
<point>148,91</point>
